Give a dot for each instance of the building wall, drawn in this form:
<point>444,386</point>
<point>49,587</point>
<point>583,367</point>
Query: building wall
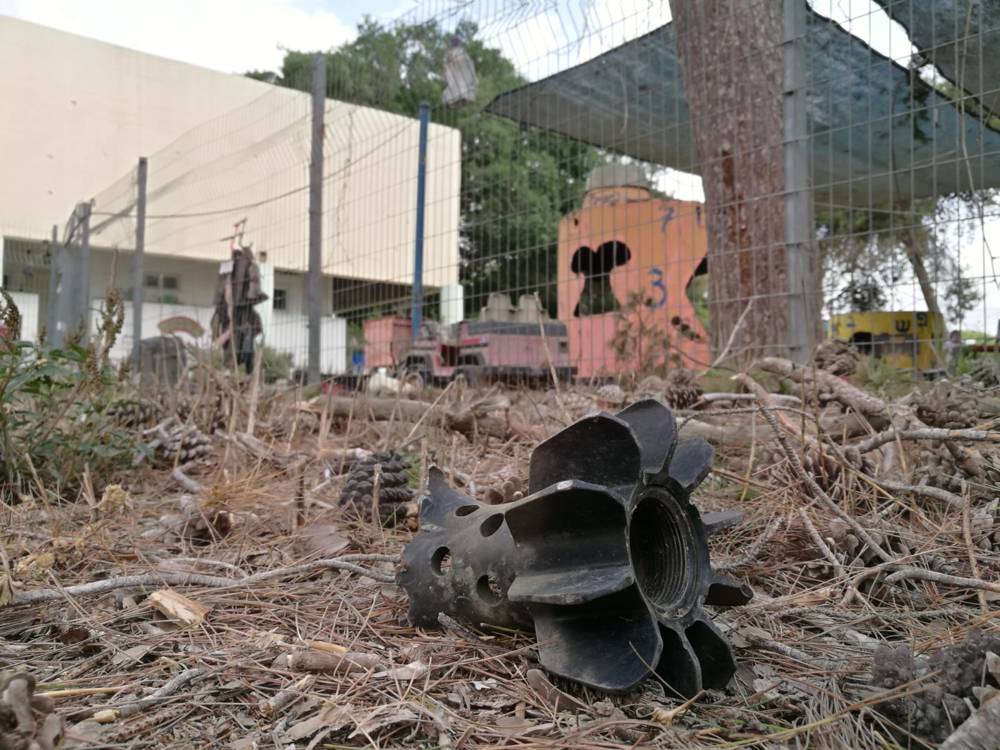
<point>27,304</point>
<point>252,164</point>
<point>86,110</point>
<point>78,113</point>
<point>196,280</point>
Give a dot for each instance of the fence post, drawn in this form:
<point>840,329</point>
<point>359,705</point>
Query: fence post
<point>417,294</point>
<point>54,260</point>
<point>314,283</point>
<point>84,287</point>
<point>801,325</point>
<point>138,264</point>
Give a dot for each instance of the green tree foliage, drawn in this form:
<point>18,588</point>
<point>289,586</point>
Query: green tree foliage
<point>516,183</point>
<point>55,426</point>
<point>867,253</point>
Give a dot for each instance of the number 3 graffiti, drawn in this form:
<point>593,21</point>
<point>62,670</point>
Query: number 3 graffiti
<point>657,283</point>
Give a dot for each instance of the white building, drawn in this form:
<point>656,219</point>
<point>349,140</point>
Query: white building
<point>221,148</point>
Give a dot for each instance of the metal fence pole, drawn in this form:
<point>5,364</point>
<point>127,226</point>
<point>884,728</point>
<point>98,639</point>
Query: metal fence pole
<point>799,243</point>
<point>52,318</point>
<point>84,286</point>
<point>314,287</point>
<point>138,264</point>
<point>417,295</point>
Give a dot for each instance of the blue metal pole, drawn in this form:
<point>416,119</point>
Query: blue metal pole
<point>417,298</point>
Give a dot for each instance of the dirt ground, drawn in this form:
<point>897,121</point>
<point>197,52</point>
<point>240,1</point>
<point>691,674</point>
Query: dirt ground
<point>234,601</point>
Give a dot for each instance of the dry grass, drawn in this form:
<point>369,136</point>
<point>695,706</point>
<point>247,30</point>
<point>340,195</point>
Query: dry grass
<point>805,644</point>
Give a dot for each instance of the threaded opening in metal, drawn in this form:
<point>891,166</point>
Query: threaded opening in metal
<point>660,539</point>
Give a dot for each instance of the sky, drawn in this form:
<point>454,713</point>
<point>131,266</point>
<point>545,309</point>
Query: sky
<point>228,35</point>
<point>235,36</point>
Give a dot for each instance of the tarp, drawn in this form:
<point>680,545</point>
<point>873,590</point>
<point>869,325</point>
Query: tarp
<point>879,135</point>
<point>961,37</point>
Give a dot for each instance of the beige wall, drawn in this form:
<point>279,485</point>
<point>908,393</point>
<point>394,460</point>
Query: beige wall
<point>253,163</point>
<point>77,113</point>
<point>220,146</point>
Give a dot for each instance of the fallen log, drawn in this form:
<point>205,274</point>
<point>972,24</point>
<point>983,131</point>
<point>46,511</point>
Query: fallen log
<point>847,394</point>
<point>730,435</point>
<point>469,420</point>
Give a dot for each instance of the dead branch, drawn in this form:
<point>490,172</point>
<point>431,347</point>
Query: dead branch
<point>796,463</point>
<point>970,546</point>
<point>754,549</point>
<point>716,434</point>
<point>260,449</point>
<point>819,542</point>
<point>925,433</point>
<point>284,698</point>
<point>191,485</point>
<point>780,398</point>
<point>922,574</point>
<point>847,394</point>
<point>468,420</point>
<point>346,562</point>
<point>169,688</point>
<point>935,493</point>
<point>325,662</point>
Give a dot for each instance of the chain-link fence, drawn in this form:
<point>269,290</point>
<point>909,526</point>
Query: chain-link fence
<point>601,189</point>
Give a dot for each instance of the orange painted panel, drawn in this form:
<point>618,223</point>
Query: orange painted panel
<point>624,242</point>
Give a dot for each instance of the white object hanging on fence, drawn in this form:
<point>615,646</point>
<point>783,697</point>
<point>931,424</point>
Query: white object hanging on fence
<point>460,75</point>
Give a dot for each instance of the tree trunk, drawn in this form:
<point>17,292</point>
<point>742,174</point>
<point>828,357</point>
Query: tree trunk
<point>915,254</point>
<point>732,61</point>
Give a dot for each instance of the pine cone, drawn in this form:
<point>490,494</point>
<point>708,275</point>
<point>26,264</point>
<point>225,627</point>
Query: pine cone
<point>506,491</point>
<point>948,679</point>
<point>393,490</point>
<point>936,467</point>
<point>986,370</point>
<point>133,414</point>
<point>837,357</point>
<point>949,406</point>
<point>610,396</point>
<point>986,526</point>
<point>651,386</point>
<point>182,444</point>
<point>682,390</point>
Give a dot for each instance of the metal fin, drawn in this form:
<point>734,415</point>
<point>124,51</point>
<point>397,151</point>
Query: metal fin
<point>691,462</point>
<point>600,450</point>
<point>575,586</point>
<point>441,502</point>
<point>727,592</point>
<point>611,643</point>
<point>714,655</point>
<point>656,431</point>
<point>678,665</point>
<point>720,520</point>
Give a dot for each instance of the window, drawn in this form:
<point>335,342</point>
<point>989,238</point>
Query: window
<point>161,281</point>
<point>280,299</point>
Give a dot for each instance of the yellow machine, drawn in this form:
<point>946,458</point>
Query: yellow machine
<point>901,339</point>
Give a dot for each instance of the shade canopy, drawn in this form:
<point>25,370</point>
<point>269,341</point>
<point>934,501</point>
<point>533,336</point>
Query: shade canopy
<point>879,135</point>
<point>961,38</point>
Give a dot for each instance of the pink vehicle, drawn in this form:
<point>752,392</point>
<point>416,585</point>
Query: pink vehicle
<point>506,344</point>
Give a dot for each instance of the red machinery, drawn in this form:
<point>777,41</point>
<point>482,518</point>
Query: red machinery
<point>510,344</point>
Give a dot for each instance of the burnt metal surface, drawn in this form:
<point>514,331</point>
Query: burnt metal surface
<point>607,559</point>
